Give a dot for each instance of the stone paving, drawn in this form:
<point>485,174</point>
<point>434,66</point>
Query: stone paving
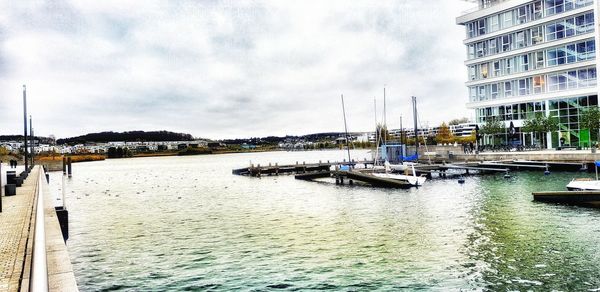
<point>14,229</point>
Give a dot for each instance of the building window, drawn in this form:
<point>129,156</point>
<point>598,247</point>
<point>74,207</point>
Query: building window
<point>471,30</point>
<point>506,40</point>
<point>481,27</point>
<point>572,79</point>
<point>471,52</point>
<point>571,52</point>
<point>481,93</point>
<point>508,89</point>
<point>520,40</point>
<point>538,84</point>
<point>492,46</point>
<point>537,35</point>
<point>507,19</point>
<point>539,60</point>
<point>494,91</point>
<point>557,82</point>
<point>494,23</point>
<point>480,49</point>
<point>554,6</point>
<point>522,14</point>
<point>587,77</point>
<point>569,27</point>
<point>510,65</point>
<point>484,70</point>
<point>524,86</point>
<point>537,10</point>
<point>584,23</point>
<point>524,60</point>
<point>497,69</point>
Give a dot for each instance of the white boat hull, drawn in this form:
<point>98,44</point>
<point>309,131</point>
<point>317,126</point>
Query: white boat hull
<point>411,179</point>
<point>590,185</point>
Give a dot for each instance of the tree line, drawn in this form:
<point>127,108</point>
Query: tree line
<point>131,136</point>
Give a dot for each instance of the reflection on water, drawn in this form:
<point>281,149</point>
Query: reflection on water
<point>177,223</point>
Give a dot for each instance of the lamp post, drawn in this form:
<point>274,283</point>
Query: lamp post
<point>31,139</point>
<point>25,127</point>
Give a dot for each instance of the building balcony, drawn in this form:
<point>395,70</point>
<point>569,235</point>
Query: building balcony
<point>534,97</point>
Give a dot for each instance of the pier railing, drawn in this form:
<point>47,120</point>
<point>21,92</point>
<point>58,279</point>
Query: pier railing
<point>39,267</point>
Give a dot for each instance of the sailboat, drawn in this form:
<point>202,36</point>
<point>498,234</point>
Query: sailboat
<point>413,179</point>
<point>585,184</point>
<point>391,170</point>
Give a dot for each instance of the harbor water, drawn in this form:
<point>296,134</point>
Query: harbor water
<point>187,223</point>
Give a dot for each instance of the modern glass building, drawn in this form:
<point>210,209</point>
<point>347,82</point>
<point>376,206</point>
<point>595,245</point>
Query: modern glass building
<point>526,57</point>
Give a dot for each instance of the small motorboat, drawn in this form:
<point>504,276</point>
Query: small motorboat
<point>411,179</point>
<point>585,184</point>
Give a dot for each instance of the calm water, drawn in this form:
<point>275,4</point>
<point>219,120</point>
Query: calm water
<point>186,223</point>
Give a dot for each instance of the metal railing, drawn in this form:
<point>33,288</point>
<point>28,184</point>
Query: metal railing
<point>38,280</point>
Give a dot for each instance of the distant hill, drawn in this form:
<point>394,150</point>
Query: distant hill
<point>274,139</point>
<point>132,136</point>
<point>19,138</point>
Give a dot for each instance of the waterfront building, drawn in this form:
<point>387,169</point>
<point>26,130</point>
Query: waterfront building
<point>459,130</point>
<point>528,57</point>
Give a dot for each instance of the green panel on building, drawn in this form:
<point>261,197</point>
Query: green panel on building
<point>584,138</point>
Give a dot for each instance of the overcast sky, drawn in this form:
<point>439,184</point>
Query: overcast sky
<point>224,69</point>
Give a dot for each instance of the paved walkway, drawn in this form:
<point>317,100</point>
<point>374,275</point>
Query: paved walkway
<point>14,230</point>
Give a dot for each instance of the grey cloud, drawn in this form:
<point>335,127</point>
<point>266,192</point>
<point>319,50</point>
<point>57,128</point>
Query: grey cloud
<point>227,68</point>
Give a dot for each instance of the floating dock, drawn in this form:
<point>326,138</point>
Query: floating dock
<point>298,168</point>
<point>584,198</point>
<point>349,177</point>
<point>361,171</point>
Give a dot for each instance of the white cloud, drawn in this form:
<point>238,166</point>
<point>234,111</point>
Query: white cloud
<point>227,68</point>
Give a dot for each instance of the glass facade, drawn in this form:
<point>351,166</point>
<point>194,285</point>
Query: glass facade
<point>548,74</point>
<point>567,110</point>
<point>554,82</point>
<point>522,14</point>
<point>564,54</point>
<point>556,30</point>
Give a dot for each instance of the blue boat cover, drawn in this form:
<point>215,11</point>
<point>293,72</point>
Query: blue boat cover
<point>411,158</point>
<point>345,168</point>
<point>597,163</point>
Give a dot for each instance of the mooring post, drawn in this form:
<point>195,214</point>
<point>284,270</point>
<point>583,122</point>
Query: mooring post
<point>64,165</point>
<point>276,168</point>
<point>64,203</point>
<point>1,188</point>
<point>69,167</point>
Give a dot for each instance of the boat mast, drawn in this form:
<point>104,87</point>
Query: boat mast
<point>384,120</point>
<point>346,129</point>
<point>414,102</point>
<point>401,131</point>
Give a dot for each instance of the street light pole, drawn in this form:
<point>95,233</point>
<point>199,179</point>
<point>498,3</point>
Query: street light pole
<point>31,139</point>
<point>25,127</point>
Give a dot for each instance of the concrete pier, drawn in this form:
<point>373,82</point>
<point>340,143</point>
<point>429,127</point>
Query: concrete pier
<point>17,223</point>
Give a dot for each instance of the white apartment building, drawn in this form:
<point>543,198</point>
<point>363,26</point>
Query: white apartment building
<point>529,57</point>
